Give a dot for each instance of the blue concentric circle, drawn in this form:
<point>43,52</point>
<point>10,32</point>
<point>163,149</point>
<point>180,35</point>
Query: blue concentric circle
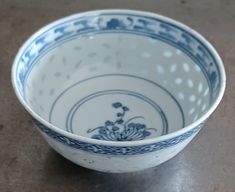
<point>76,106</point>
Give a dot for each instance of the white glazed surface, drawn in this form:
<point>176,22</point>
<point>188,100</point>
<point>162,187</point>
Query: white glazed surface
<point>138,83</point>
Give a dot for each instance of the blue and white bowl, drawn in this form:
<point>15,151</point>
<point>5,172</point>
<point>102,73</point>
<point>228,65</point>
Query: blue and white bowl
<point>118,90</point>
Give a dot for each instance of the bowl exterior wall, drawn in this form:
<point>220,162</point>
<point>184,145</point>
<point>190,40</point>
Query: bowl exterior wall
<point>117,159</point>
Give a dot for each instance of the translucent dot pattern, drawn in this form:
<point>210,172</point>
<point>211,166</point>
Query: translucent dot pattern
<point>192,98</point>
<point>173,68</point>
<point>200,87</point>
<point>160,69</point>
<point>181,96</point>
<point>191,111</point>
<point>199,102</point>
<point>195,100</point>
<point>167,54</point>
<point>178,52</point>
<point>173,72</point>
<point>190,83</point>
<point>206,92</point>
<point>178,81</point>
<point>186,67</point>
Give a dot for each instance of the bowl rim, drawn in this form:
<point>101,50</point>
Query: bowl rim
<point>122,143</point>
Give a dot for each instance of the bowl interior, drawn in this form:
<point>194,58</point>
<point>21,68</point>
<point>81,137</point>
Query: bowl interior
<point>117,84</point>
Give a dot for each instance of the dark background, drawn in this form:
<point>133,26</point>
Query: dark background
<point>27,163</point>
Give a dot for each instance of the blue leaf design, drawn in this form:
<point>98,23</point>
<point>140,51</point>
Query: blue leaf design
<point>125,108</point>
<point>131,125</point>
<point>140,126</point>
<point>96,137</point>
<point>108,123</point>
<point>120,121</point>
<point>117,105</point>
<point>125,131</point>
<point>102,130</point>
<point>146,133</point>
<point>115,128</point>
<point>119,114</point>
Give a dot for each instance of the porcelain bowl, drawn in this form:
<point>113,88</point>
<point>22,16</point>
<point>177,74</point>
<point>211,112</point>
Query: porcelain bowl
<point>118,90</point>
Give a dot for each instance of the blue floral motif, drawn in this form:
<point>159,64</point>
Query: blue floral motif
<point>115,23</point>
<point>119,130</point>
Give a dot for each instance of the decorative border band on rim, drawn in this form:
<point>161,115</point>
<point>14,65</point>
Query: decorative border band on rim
<point>152,27</point>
